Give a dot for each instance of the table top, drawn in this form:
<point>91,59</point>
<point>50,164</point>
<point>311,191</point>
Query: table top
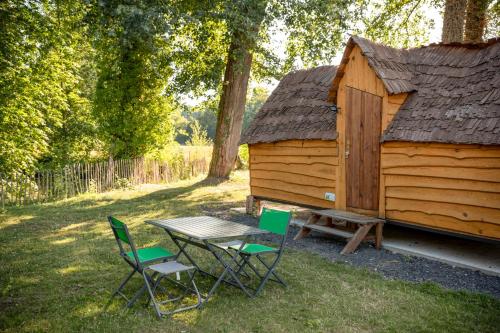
<point>206,227</point>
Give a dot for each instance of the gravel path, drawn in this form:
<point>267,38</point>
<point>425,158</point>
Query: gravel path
<point>390,265</point>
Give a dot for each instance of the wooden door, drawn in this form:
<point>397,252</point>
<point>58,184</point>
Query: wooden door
<point>363,121</point>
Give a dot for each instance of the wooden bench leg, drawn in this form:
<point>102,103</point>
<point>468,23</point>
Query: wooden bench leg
<point>249,204</point>
<point>304,231</point>
<point>356,239</point>
<point>258,206</point>
<point>378,235</point>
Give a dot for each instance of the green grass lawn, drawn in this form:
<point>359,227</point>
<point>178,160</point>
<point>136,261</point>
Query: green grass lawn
<point>59,264</point>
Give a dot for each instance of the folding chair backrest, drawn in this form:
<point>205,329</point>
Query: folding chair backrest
<point>120,230</point>
<point>275,221</point>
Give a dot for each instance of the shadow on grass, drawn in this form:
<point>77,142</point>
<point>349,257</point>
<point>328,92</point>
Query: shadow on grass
<point>66,249</point>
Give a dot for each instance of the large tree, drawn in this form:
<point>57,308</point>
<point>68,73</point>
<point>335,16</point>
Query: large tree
<point>453,21</point>
<point>475,21</point>
<point>245,23</point>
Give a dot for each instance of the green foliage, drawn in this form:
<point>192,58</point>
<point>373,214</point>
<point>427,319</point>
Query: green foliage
<point>202,118</point>
<point>244,154</point>
<point>206,114</point>
<point>313,33</point>
<point>46,83</point>
<point>130,105</point>
<point>198,135</point>
<point>398,23</point>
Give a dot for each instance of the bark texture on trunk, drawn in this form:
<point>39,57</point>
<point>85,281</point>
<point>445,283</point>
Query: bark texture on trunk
<point>231,108</point>
<point>453,21</point>
<point>475,20</point>
<point>250,15</point>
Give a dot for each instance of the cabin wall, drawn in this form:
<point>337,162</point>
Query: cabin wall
<point>297,171</point>
<point>444,186</point>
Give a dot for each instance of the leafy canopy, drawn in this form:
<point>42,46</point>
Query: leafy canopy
<point>131,107</point>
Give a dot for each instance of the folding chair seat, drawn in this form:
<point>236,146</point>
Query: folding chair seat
<point>154,264</point>
<point>276,222</point>
<point>162,271</point>
<point>151,254</point>
<point>249,249</point>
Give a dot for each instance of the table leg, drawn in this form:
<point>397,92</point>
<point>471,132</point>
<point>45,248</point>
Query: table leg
<point>182,250</point>
<point>227,270</point>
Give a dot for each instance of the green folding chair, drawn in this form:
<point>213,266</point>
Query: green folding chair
<point>154,264</point>
<point>276,222</point>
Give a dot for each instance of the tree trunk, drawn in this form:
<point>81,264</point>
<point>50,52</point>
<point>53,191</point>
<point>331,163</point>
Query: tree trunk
<point>453,21</point>
<point>475,21</point>
<point>245,26</point>
<point>231,109</point>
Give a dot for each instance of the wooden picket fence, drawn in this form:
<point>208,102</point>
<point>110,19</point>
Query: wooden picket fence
<point>74,179</point>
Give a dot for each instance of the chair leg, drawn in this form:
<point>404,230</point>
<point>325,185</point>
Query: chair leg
<point>118,291</point>
<point>141,291</point>
<point>252,267</point>
<point>198,295</point>
<point>275,274</point>
<point>267,276</point>
<point>263,282</point>
<point>151,294</point>
<point>151,291</point>
<point>122,285</point>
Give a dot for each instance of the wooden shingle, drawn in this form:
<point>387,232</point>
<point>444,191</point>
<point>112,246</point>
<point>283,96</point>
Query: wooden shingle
<point>297,109</point>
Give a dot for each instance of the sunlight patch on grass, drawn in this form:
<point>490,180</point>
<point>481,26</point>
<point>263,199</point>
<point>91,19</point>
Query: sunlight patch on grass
<point>64,241</point>
<point>27,280</point>
<point>71,227</point>
<point>70,270</point>
<point>5,222</point>
<point>88,310</point>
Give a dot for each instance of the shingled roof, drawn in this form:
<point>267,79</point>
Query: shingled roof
<point>297,109</point>
<point>390,65</point>
<point>454,90</point>
<point>457,99</point>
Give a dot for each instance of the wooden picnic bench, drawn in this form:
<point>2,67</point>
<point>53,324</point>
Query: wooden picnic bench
<point>354,227</point>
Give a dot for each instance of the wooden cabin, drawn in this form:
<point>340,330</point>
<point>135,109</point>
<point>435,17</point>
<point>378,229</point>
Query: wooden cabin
<point>411,136</point>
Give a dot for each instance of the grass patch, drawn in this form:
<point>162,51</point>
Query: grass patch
<point>59,264</point>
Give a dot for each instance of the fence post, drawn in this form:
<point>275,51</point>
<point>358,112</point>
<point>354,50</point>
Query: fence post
<point>1,184</point>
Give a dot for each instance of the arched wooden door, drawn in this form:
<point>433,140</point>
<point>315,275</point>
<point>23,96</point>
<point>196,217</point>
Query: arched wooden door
<point>363,121</point>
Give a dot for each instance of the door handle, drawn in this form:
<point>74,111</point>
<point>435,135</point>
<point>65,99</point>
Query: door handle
<point>347,149</point>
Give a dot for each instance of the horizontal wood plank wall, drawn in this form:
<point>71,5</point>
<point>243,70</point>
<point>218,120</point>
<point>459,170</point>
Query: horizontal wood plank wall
<point>443,186</point>
<point>297,171</point>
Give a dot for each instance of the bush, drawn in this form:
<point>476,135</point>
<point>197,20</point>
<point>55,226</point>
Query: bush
<point>244,154</point>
